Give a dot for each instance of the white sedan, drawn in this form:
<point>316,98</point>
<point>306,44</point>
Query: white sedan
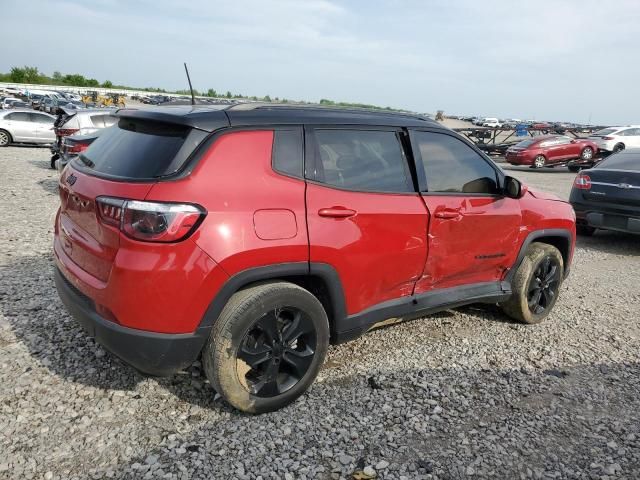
<point>614,139</point>
<point>26,126</point>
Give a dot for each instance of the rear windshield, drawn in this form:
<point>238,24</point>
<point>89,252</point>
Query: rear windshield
<point>622,161</point>
<point>526,143</point>
<point>140,149</point>
<point>604,131</point>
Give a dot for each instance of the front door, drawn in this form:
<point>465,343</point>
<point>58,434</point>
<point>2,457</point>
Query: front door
<point>473,229</point>
<point>364,216</point>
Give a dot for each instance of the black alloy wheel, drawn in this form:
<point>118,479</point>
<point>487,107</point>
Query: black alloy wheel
<point>278,349</point>
<point>543,286</point>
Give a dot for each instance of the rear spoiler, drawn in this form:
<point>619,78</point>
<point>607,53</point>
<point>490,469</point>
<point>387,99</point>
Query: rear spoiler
<point>206,119</point>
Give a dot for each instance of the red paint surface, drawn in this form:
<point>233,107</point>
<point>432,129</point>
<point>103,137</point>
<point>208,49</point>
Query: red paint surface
<point>383,246</point>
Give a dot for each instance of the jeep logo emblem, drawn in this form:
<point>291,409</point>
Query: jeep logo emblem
<point>71,179</point>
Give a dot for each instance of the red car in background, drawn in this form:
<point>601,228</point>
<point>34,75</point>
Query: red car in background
<point>551,150</point>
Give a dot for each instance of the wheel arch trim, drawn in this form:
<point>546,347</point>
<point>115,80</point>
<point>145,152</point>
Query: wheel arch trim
<point>325,272</point>
<point>562,238</point>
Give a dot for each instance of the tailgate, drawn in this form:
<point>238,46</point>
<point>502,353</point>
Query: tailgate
<point>90,244</point>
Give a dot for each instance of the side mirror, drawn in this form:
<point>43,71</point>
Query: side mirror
<point>513,188</point>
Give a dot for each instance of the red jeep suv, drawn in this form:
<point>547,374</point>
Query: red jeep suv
<point>253,236</point>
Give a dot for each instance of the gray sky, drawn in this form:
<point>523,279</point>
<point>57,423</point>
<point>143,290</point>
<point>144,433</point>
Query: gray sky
<point>542,59</point>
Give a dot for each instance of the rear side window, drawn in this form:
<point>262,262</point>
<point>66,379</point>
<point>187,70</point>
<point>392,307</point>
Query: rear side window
<point>36,117</point>
<point>288,152</point>
<point>362,160</point>
<point>140,149</point>
<point>451,166</point>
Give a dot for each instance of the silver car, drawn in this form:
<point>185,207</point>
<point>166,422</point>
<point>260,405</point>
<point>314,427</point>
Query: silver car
<point>26,126</point>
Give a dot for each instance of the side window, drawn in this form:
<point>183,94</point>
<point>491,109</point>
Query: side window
<point>452,166</point>
<point>18,117</point>
<point>362,160</point>
<point>36,117</point>
<point>630,132</point>
<point>287,152</point>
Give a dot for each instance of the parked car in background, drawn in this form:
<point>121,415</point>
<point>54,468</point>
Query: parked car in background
<point>79,122</point>
<point>74,145</point>
<point>18,104</point>
<point>374,228</point>
<point>7,100</point>
<point>491,122</point>
<point>614,139</point>
<point>26,126</point>
<point>608,195</point>
<point>550,150</point>
<point>35,100</point>
<point>13,91</point>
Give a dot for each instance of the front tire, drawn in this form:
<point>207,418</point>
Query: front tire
<point>267,346</point>
<point>539,161</point>
<point>587,153</point>
<point>618,148</point>
<point>536,284</point>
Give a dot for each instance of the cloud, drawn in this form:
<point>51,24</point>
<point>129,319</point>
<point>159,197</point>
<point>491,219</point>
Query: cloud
<point>551,59</point>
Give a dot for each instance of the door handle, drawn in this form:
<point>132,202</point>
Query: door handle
<point>446,214</point>
<point>336,212</point>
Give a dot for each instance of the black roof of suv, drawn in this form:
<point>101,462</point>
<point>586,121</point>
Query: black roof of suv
<point>212,117</point>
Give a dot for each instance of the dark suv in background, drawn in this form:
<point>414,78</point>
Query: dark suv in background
<point>254,235</point>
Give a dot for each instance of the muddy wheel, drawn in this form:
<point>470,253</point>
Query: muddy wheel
<point>267,346</point>
<point>536,284</point>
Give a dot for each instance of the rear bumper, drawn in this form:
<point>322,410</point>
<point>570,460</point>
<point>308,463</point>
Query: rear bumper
<point>160,354</point>
<point>606,218</point>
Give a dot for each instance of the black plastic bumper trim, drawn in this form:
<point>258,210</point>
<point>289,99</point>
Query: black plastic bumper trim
<point>160,354</point>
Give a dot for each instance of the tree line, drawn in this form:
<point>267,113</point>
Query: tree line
<point>34,76</point>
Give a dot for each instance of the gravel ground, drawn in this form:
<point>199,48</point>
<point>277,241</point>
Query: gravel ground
<point>465,393</point>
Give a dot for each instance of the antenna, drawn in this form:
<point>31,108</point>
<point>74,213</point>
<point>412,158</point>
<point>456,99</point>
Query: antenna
<point>193,98</point>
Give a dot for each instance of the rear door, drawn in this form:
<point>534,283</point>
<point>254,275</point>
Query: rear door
<point>364,216</point>
<point>473,229</point>
<point>44,128</point>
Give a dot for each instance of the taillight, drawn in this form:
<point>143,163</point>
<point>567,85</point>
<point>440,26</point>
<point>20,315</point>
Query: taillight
<point>76,147</point>
<point>150,221</point>
<point>608,138</point>
<point>65,132</point>
<point>583,182</point>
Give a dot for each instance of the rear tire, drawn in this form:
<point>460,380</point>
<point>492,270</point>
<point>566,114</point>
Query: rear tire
<point>267,346</point>
<point>536,284</point>
<point>574,168</point>
<point>618,148</point>
<point>5,138</point>
<point>539,161</point>
<point>585,230</point>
